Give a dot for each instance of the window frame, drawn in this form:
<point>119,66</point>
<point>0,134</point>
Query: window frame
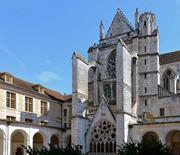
<point>28,105</point>
<point>44,107</point>
<point>44,123</point>
<point>161,112</point>
<point>65,112</point>
<point>28,121</point>
<point>8,79</point>
<point>10,118</point>
<point>10,98</point>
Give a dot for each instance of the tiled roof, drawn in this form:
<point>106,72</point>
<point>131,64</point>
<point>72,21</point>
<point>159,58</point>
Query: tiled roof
<point>48,92</point>
<point>169,57</point>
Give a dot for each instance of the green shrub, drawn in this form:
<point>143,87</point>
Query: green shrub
<point>144,148</point>
<point>53,150</point>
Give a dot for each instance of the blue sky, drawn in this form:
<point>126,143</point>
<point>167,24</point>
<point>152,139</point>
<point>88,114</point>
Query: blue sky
<point>38,37</point>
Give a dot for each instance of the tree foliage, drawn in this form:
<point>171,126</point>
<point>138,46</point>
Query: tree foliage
<point>130,148</point>
<point>144,148</point>
<point>54,150</point>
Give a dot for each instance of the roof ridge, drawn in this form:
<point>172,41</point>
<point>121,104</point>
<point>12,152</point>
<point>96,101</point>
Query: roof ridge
<point>126,19</point>
<point>29,85</point>
<point>177,51</point>
<point>32,84</point>
<point>170,57</point>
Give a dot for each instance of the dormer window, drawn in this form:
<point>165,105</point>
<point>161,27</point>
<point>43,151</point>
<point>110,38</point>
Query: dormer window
<point>7,77</point>
<point>39,88</point>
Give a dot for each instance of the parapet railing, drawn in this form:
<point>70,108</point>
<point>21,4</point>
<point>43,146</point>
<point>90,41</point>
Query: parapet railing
<point>162,92</point>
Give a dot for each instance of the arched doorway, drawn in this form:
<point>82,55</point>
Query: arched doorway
<point>173,140</point>
<point>19,151</point>
<point>18,138</point>
<point>2,142</point>
<point>150,137</point>
<point>38,140</point>
<point>54,140</point>
<point>103,138</point>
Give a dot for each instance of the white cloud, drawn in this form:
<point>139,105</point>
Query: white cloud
<point>13,56</point>
<point>48,76</point>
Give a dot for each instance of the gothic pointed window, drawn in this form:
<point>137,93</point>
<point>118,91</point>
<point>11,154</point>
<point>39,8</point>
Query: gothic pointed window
<point>103,138</point>
<point>114,90</point>
<point>167,77</point>
<point>145,28</point>
<point>144,23</point>
<point>107,91</point>
<point>111,65</point>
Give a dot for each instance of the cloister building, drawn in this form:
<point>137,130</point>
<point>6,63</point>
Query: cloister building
<point>31,115</point>
<point>125,90</point>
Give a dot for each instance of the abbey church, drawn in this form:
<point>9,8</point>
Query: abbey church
<point>125,90</point>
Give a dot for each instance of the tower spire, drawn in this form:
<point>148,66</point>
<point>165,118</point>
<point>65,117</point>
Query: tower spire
<point>101,30</point>
<point>136,19</point>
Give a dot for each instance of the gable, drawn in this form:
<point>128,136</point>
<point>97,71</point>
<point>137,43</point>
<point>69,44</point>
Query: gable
<point>103,113</point>
<point>120,25</point>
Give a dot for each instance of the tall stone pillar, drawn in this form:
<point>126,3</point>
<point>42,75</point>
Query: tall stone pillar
<point>123,89</point>
<point>79,97</point>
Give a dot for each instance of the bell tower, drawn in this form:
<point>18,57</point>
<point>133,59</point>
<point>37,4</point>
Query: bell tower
<point>147,23</point>
<point>148,62</point>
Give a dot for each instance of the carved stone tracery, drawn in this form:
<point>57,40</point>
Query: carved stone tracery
<point>103,137</point>
<point>111,65</point>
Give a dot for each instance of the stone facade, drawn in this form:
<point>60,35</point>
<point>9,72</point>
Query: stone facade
<point>126,85</point>
<point>125,90</point>
<point>32,115</point>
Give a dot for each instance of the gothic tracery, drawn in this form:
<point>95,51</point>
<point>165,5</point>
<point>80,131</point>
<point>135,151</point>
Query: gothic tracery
<point>111,65</point>
<point>103,137</point>
<point>168,75</point>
